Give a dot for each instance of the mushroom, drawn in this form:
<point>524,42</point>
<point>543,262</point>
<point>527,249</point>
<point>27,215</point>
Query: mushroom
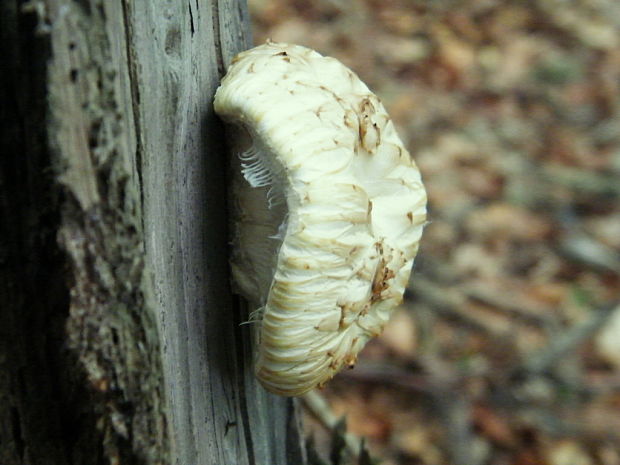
<point>330,217</point>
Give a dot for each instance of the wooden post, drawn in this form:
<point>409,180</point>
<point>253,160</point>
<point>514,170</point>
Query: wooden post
<point>122,341</point>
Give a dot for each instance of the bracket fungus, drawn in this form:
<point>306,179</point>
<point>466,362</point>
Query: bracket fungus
<point>328,218</point>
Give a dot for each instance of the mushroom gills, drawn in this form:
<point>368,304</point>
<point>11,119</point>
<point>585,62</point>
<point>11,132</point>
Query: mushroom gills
<point>261,170</point>
<point>267,182</point>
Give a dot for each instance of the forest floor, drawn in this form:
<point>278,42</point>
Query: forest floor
<point>507,349</point>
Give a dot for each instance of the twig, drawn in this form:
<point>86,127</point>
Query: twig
<point>442,386</point>
<point>456,416</point>
<point>506,303</point>
<point>580,248</point>
<point>582,180</point>
<point>451,303</point>
<point>318,406</point>
<point>567,342</point>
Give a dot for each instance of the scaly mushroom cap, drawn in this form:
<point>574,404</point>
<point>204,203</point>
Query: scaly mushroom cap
<point>356,209</point>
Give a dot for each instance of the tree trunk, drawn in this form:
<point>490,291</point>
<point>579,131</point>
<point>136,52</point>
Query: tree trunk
<point>119,338</point>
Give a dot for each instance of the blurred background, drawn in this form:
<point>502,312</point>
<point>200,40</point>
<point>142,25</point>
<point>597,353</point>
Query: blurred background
<point>507,350</point>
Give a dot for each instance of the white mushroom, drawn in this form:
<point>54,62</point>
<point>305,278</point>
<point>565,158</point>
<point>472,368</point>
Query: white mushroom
<point>324,243</point>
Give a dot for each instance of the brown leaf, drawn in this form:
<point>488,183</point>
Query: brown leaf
<point>493,426</point>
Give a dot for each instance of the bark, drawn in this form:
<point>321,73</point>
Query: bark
<point>120,339</point>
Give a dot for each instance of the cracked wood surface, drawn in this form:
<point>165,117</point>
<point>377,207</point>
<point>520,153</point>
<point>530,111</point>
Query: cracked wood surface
<point>138,166</point>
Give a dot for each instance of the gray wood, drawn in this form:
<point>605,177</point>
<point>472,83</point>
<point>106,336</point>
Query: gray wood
<point>149,363</point>
<point>205,359</point>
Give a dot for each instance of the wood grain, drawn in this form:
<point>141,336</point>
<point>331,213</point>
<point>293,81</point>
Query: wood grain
<point>138,162</point>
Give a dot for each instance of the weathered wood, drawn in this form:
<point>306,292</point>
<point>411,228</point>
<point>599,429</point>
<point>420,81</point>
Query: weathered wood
<point>33,295</point>
<point>218,412</point>
<point>144,361</point>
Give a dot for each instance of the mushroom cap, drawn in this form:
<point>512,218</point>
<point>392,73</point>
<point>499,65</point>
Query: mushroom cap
<point>356,210</point>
